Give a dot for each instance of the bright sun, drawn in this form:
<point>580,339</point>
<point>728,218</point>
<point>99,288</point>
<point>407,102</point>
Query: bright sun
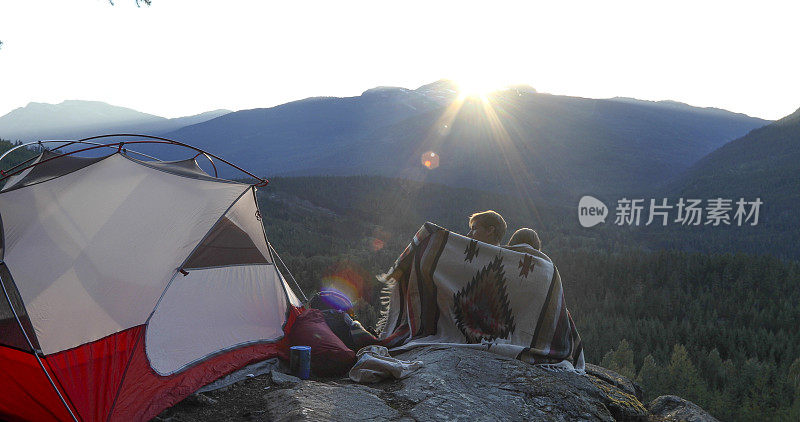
<point>476,87</point>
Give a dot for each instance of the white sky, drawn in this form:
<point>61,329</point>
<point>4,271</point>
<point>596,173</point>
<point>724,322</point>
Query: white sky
<point>181,57</point>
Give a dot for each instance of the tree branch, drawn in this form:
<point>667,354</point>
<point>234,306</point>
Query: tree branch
<point>138,2</point>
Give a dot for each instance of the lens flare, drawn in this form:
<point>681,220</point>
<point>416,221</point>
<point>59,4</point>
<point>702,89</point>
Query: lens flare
<point>377,244</point>
<point>378,239</point>
<point>430,160</point>
<point>347,278</point>
<point>347,286</point>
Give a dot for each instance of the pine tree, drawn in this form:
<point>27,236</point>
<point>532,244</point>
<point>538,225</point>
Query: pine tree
<point>620,360</point>
<point>651,377</point>
<point>682,376</point>
<point>794,377</point>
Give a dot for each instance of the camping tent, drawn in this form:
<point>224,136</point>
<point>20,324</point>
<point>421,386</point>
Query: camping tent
<point>128,284</point>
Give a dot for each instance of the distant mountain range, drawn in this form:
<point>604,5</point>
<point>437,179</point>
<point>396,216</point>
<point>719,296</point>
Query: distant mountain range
<point>519,142</point>
<point>74,119</point>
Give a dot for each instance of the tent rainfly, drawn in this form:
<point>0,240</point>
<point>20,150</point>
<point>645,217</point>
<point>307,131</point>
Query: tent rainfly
<point>128,284</point>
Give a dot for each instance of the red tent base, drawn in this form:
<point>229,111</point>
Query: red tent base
<point>111,375</point>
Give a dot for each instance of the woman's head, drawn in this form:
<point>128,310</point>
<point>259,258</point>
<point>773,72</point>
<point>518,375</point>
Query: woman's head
<point>528,236</point>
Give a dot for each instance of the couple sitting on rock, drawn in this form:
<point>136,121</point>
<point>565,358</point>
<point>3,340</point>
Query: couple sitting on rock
<point>490,227</point>
<point>471,291</point>
<point>443,290</point>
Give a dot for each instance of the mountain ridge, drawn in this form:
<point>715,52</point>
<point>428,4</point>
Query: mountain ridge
<point>386,129</point>
<point>74,119</point>
<point>513,140</point>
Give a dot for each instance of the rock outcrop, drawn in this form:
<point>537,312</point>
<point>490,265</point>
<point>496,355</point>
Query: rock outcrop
<point>455,384</point>
<point>673,408</point>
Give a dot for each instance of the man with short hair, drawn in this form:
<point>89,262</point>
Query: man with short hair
<point>487,226</point>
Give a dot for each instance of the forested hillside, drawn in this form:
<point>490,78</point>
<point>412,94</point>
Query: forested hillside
<point>764,164</point>
<point>718,329</point>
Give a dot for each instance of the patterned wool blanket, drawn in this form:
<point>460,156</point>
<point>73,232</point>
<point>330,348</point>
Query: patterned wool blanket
<point>448,289</point>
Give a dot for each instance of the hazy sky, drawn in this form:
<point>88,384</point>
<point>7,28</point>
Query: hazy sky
<point>181,57</point>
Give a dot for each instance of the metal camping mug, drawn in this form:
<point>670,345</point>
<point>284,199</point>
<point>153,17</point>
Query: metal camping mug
<point>300,361</point>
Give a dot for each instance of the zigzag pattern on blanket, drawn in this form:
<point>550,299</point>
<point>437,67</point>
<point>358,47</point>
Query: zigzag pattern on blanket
<point>446,288</point>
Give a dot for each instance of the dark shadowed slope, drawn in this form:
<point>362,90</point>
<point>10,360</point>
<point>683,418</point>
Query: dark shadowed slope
<point>288,137</point>
<point>764,164</point>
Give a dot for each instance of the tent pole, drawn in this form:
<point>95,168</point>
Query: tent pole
<point>151,140</point>
<point>35,351</point>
